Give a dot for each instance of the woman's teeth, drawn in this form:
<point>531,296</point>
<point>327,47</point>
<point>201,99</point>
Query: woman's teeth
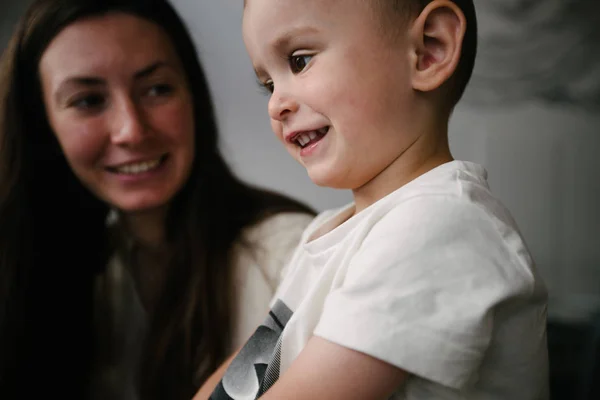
<point>138,168</point>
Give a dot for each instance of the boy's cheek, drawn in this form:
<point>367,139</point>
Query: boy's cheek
<point>277,128</point>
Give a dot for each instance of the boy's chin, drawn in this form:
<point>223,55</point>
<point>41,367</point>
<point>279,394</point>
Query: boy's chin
<point>324,178</point>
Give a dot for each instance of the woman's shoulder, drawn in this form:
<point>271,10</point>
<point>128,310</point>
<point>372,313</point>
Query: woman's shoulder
<point>271,242</point>
<point>279,228</point>
<point>274,238</point>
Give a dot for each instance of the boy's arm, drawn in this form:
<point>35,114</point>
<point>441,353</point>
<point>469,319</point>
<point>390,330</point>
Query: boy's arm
<point>325,370</point>
<point>211,383</point>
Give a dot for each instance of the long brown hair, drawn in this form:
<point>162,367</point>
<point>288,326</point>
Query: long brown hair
<point>44,273</point>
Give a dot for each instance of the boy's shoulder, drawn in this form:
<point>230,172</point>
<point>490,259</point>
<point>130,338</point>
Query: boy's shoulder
<point>449,208</point>
<point>457,185</point>
<point>447,194</point>
<point>451,219</point>
<point>453,199</point>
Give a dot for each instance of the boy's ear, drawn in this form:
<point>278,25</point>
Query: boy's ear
<point>437,36</point>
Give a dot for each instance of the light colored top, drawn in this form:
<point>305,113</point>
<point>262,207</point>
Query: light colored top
<point>434,279</point>
<point>257,275</point>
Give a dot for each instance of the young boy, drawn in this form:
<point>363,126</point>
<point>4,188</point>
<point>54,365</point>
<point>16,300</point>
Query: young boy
<point>422,288</point>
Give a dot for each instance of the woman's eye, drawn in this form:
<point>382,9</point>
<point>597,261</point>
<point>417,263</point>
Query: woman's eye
<point>299,62</point>
<point>89,102</point>
<point>160,90</point>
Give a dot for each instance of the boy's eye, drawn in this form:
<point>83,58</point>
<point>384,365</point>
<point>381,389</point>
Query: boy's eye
<point>299,62</point>
<point>267,85</point>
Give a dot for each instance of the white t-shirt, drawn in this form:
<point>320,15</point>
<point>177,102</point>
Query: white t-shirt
<point>434,279</point>
<point>267,247</point>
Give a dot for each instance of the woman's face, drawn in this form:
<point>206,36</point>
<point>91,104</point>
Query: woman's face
<point>118,101</point>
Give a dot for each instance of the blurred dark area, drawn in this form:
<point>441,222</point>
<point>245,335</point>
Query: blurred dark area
<point>574,359</point>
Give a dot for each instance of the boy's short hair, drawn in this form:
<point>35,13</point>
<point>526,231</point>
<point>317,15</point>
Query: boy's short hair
<point>402,11</point>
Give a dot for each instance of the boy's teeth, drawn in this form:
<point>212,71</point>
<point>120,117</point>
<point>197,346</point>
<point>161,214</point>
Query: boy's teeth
<point>304,138</point>
<point>139,167</point>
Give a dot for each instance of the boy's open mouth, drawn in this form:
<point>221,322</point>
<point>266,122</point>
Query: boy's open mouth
<point>305,139</point>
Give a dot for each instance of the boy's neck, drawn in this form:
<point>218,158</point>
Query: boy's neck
<point>429,151</point>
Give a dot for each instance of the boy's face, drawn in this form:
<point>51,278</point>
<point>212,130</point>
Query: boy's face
<point>341,89</point>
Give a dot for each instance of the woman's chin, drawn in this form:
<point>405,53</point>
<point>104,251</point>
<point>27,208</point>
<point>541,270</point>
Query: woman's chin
<point>139,206</point>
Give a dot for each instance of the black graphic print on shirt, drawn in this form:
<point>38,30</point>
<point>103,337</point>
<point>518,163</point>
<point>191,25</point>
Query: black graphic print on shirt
<point>256,368</point>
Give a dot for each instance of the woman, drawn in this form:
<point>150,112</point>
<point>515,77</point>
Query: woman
<point>114,197</point>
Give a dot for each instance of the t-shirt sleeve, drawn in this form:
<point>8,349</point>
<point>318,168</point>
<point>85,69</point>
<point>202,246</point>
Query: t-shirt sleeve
<point>421,291</point>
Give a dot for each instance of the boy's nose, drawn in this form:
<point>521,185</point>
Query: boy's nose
<point>280,106</point>
<point>129,127</point>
